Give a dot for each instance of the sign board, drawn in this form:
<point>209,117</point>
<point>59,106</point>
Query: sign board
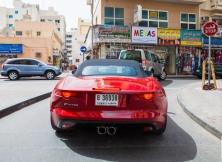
<point>210,29</point>
<point>111,33</point>
<point>137,13</point>
<point>11,48</point>
<point>191,37</point>
<point>169,36</point>
<point>144,35</point>
<point>56,52</point>
<point>83,49</point>
<point>215,42</point>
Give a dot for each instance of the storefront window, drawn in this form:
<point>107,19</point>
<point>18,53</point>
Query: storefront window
<point>154,18</point>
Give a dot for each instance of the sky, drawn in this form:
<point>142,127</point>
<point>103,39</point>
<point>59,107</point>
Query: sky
<point>71,9</point>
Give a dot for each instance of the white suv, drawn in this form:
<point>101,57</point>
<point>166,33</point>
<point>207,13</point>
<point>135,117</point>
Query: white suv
<point>147,59</point>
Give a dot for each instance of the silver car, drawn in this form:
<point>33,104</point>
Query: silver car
<point>26,67</point>
<point>147,59</point>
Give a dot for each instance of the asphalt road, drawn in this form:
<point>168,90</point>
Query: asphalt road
<point>26,135</point>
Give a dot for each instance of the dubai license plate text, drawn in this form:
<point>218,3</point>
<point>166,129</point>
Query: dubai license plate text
<point>106,100</point>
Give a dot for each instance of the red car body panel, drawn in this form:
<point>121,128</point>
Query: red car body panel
<point>130,108</point>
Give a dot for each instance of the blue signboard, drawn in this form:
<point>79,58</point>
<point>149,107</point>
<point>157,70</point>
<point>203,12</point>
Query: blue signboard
<point>191,37</point>
<point>83,49</point>
<point>215,42</point>
<point>11,48</point>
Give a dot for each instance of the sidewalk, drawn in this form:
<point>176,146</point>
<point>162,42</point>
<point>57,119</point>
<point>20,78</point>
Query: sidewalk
<point>204,107</point>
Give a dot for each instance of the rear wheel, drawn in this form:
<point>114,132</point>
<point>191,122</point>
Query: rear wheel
<point>160,131</point>
<point>152,73</point>
<point>13,75</point>
<point>50,75</point>
<point>163,75</point>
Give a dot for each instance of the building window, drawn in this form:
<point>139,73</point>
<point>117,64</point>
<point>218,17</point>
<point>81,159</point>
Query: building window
<point>187,21</point>
<point>38,33</point>
<point>10,25</point>
<point>18,32</point>
<point>69,46</point>
<point>16,12</point>
<point>68,41</point>
<point>42,20</point>
<point>68,36</point>
<point>153,18</point>
<point>58,29</point>
<point>10,16</point>
<point>114,16</point>
<point>69,51</point>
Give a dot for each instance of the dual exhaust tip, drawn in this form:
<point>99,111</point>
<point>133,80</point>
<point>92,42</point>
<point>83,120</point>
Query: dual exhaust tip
<point>103,130</point>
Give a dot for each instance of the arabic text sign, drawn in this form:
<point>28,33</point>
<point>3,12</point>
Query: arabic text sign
<point>210,29</point>
<point>144,35</point>
<point>111,33</point>
<point>191,37</point>
<point>11,48</point>
<point>215,42</point>
<point>169,36</point>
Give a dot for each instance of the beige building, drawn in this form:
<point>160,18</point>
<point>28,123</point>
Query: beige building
<point>39,40</point>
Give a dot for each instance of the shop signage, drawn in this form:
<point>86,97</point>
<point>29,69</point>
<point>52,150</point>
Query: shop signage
<point>11,48</point>
<point>169,36</point>
<point>215,42</point>
<point>111,33</point>
<point>137,13</point>
<point>153,15</point>
<point>191,37</point>
<point>56,53</point>
<point>144,35</point>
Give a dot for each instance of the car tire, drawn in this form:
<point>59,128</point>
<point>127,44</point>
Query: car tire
<point>160,131</point>
<point>13,75</point>
<point>50,75</point>
<point>163,75</point>
<point>152,73</point>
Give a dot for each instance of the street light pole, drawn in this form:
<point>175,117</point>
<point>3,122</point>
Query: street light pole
<point>92,50</point>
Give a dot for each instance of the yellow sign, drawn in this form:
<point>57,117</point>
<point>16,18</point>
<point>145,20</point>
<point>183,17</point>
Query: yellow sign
<point>191,43</point>
<point>169,34</point>
<point>153,15</point>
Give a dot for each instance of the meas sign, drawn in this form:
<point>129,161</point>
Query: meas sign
<point>210,29</point>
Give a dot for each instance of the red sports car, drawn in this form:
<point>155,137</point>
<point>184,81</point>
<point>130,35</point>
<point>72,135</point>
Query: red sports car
<point>106,94</point>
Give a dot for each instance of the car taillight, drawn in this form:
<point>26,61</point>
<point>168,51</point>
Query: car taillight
<point>149,96</point>
<point>3,65</point>
<point>64,94</point>
<point>143,62</point>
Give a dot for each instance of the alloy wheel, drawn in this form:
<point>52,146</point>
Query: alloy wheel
<point>50,75</point>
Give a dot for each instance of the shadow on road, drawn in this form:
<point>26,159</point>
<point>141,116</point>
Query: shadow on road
<point>174,145</point>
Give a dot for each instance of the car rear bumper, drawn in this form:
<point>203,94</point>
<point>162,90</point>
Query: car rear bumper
<point>154,118</point>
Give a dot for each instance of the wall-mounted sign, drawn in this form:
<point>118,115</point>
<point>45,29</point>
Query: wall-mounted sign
<point>144,35</point>
<point>169,36</point>
<point>56,53</point>
<point>153,15</point>
<point>191,37</point>
<point>215,42</point>
<point>11,48</point>
<point>137,13</point>
<point>111,33</point>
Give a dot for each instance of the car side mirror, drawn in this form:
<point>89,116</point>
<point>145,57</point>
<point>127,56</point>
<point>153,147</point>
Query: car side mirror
<point>73,72</point>
<point>149,73</point>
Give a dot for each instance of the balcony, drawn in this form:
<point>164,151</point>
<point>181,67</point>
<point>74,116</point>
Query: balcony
<point>184,1</point>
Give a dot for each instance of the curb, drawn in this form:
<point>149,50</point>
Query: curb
<point>202,121</point>
<point>21,105</point>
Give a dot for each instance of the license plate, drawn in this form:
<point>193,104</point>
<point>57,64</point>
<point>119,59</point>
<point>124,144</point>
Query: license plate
<point>106,100</point>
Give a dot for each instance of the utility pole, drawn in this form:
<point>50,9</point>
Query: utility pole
<point>92,50</point>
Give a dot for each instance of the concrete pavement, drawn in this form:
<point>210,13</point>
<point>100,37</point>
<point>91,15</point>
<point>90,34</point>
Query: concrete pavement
<point>205,107</point>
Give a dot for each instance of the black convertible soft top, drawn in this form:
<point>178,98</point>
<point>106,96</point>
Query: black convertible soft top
<point>112,62</point>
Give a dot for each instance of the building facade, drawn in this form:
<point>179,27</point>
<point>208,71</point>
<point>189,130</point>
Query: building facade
<point>38,40</point>
<point>171,21</point>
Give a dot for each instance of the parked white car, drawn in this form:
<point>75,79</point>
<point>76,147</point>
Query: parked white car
<point>147,59</point>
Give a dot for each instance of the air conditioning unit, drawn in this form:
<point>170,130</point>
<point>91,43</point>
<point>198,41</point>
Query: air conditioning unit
<point>89,2</point>
<point>205,18</point>
<point>38,54</point>
<point>27,32</point>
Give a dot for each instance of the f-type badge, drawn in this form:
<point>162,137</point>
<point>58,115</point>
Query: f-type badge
<point>73,105</point>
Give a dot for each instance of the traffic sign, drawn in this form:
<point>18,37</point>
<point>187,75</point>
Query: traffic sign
<point>210,29</point>
<point>83,49</point>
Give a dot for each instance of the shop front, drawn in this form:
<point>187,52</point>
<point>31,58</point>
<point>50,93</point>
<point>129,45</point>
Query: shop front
<point>168,42</point>
<point>9,51</point>
<point>216,49</point>
<point>109,40</point>
<point>189,54</point>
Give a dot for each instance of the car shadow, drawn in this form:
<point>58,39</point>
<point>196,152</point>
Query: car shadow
<point>31,78</point>
<point>174,145</point>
